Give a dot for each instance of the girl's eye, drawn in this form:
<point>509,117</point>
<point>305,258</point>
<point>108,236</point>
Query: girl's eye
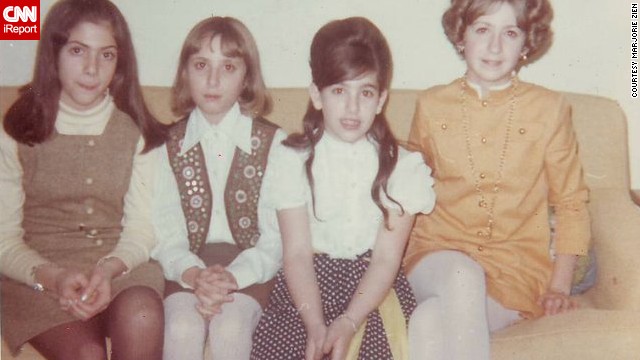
<point>513,33</point>
<point>368,93</point>
<point>481,30</point>
<point>199,65</point>
<point>230,67</point>
<point>337,90</point>
<point>109,55</point>
<point>76,50</point>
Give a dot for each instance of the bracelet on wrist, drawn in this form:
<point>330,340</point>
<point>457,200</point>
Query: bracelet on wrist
<point>36,285</point>
<point>351,321</point>
<point>102,262</point>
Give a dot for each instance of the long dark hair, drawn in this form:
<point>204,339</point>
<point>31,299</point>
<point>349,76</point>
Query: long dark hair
<point>344,50</point>
<point>30,120</point>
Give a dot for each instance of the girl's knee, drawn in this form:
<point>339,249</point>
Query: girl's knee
<point>139,307</point>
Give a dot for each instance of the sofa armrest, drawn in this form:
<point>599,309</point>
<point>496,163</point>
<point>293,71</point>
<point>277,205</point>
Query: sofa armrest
<point>615,226</point>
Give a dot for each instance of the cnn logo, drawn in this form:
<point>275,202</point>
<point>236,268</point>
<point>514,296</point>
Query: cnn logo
<point>20,20</point>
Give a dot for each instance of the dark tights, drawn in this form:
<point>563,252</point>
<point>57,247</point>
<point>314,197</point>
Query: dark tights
<point>134,321</point>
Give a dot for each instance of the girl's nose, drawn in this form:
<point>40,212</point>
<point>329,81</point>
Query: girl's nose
<point>495,43</point>
<point>91,64</point>
<point>353,103</point>
<point>213,77</point>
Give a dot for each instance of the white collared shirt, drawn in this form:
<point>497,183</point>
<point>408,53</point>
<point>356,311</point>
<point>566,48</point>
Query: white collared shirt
<point>219,142</point>
<point>347,221</point>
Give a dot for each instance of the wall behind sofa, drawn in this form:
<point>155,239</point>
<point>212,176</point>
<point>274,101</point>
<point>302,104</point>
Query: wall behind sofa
<point>590,54</point>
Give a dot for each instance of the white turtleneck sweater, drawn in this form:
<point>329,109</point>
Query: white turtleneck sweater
<point>16,258</point>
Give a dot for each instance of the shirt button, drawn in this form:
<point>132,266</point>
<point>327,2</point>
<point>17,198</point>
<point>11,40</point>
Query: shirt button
<point>89,210</point>
<point>99,242</point>
<point>483,140</point>
<point>480,234</point>
<point>480,248</point>
<point>485,103</point>
<point>88,181</point>
<point>444,126</point>
<point>91,142</point>
<point>522,131</point>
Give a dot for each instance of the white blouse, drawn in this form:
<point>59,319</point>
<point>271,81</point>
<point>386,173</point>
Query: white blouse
<point>136,240</point>
<point>346,220</point>
<point>254,265</point>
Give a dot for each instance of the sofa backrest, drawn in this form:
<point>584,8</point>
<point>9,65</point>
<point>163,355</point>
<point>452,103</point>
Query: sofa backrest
<point>599,123</point>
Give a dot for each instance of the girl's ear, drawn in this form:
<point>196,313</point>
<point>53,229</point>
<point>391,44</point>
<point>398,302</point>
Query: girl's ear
<point>314,95</point>
<point>381,100</point>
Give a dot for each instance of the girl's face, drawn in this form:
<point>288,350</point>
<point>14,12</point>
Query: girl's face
<point>215,80</point>
<point>493,45</point>
<point>349,107</point>
<point>86,64</point>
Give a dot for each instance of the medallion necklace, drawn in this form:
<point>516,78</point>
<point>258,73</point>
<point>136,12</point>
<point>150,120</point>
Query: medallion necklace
<point>478,178</point>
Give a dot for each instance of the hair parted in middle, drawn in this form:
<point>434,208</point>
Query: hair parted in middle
<point>344,50</point>
<point>31,119</point>
<point>236,41</point>
<point>533,18</point>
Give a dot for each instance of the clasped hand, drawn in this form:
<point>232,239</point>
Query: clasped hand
<point>333,340</point>
<point>81,295</point>
<point>214,287</point>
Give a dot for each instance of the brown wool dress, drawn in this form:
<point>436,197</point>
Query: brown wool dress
<point>72,221</point>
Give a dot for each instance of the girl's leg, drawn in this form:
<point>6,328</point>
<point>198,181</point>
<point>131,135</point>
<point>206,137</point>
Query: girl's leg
<point>185,328</point>
<point>81,340</point>
<point>135,323</point>
<point>230,332</point>
<point>451,315</point>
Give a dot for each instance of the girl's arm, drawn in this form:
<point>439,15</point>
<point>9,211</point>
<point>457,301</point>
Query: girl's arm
<point>17,259</point>
<point>556,299</point>
<point>375,284</point>
<point>301,276</point>
<point>172,249</point>
<point>568,194</point>
<point>137,237</point>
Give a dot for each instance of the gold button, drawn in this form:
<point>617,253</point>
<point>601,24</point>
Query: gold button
<point>480,234</point>
<point>522,130</point>
<point>485,103</point>
<point>444,126</point>
<point>480,248</point>
<point>482,176</point>
<point>482,203</point>
<point>484,140</point>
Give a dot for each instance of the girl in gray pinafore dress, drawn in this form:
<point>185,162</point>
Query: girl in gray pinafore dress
<point>75,216</point>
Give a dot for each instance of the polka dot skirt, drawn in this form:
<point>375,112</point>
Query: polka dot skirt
<point>280,334</point>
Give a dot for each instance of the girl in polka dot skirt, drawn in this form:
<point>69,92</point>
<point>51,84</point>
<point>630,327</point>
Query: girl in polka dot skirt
<point>345,209</point>
<point>218,238</point>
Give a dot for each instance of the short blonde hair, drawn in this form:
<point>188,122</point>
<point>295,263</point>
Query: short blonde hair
<point>236,41</point>
<point>533,17</point>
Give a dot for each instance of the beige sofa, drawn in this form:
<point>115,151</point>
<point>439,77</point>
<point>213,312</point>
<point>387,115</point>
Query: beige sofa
<point>608,324</point>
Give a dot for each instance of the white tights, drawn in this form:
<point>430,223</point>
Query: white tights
<point>454,315</point>
<point>229,332</point>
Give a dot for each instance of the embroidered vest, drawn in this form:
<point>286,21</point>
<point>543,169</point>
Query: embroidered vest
<point>242,189</point>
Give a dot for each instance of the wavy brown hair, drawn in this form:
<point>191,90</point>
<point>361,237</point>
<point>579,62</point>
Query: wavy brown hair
<point>236,41</point>
<point>533,18</point>
<point>344,50</point>
<point>31,119</point>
